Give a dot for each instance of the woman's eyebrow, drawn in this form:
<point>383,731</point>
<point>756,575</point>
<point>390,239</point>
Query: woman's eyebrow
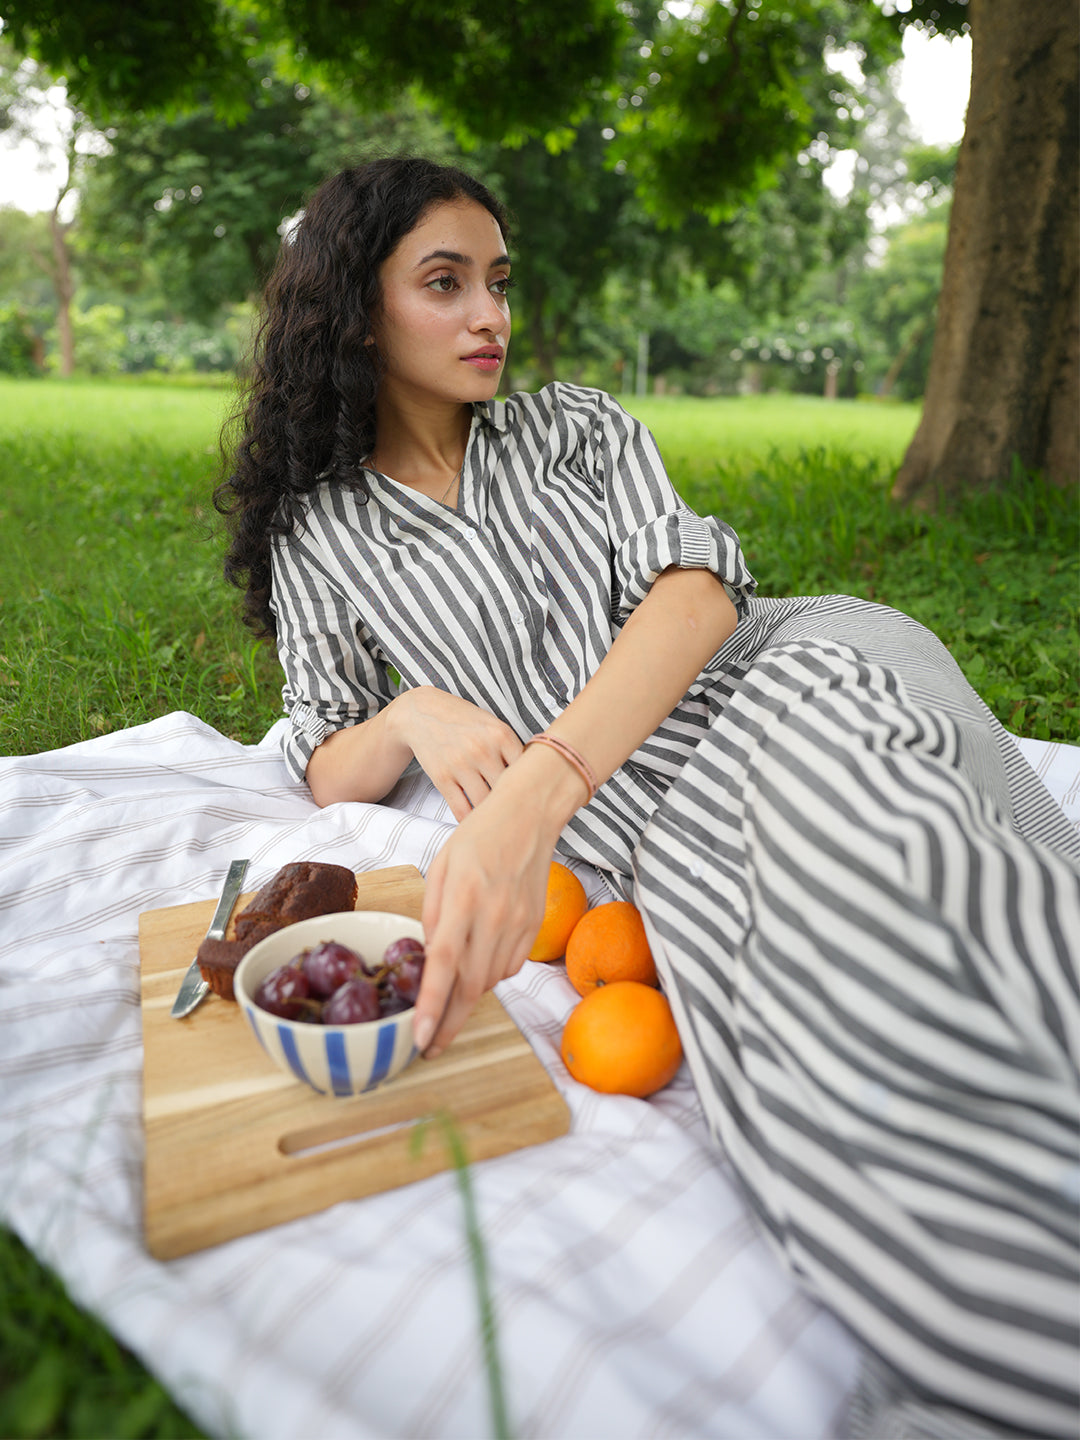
<point>458,259</point>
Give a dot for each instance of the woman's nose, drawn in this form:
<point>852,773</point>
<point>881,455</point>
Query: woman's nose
<point>490,314</point>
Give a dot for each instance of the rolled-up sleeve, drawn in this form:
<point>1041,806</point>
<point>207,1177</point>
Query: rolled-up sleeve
<point>651,526</point>
<point>332,677</point>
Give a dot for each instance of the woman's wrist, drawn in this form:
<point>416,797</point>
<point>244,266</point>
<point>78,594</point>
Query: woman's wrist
<point>397,716</point>
<point>572,756</point>
<point>546,785</point>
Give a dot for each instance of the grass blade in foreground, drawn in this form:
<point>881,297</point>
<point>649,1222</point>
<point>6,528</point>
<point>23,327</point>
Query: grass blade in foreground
<point>455,1144</point>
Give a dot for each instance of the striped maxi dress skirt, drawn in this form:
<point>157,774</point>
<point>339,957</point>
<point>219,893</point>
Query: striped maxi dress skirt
<point>865,909</point>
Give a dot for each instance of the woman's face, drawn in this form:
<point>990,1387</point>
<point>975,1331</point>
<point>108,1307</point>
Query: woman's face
<point>444,320</point>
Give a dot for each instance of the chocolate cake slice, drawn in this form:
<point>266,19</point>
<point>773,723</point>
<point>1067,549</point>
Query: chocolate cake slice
<point>297,892</point>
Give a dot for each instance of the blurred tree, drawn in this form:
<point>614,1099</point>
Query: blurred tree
<point>721,99</point>
<point>27,92</point>
<point>896,304</point>
<point>1005,370</point>
<point>575,223</point>
<point>25,246</point>
<point>204,203</point>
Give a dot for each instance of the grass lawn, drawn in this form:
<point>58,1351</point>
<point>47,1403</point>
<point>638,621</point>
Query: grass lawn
<point>113,612</point>
<point>693,432</point>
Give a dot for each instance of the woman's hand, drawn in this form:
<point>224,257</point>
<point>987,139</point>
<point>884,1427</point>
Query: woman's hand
<point>463,750</point>
<point>486,891</point>
<point>483,904</point>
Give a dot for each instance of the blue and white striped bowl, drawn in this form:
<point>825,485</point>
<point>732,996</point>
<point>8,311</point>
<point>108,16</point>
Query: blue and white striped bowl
<point>332,1059</point>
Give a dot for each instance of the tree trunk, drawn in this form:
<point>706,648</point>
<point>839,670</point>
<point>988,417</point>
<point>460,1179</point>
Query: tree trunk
<point>1004,369</point>
<point>64,284</point>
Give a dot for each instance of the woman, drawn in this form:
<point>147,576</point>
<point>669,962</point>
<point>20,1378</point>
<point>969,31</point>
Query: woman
<point>858,894</point>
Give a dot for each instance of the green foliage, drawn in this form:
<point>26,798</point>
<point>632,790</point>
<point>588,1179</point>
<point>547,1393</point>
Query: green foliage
<point>99,339</point>
<point>934,17</point>
<point>142,57</point>
<point>18,343</point>
<point>192,210</point>
<point>201,203</point>
<point>722,99</point>
<point>189,211</point>
<point>897,303</point>
<point>25,257</point>
<point>499,68</point>
<point>178,347</point>
<point>63,1374</point>
<point>575,222</point>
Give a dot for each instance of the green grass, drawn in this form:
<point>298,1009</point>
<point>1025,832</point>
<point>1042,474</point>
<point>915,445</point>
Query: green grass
<point>693,433</point>
<point>63,1374</point>
<point>112,612</point>
<point>112,609</point>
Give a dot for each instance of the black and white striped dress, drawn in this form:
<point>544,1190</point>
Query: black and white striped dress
<point>864,905</point>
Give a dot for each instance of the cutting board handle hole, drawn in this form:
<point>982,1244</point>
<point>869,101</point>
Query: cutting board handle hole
<point>303,1143</point>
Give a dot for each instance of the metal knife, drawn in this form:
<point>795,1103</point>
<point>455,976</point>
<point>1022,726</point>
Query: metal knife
<point>195,987</point>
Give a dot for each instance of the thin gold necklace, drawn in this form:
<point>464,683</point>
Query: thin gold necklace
<point>370,463</point>
<point>453,481</point>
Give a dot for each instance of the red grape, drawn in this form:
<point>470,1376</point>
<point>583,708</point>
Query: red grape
<point>404,979</point>
<point>286,992</point>
<point>398,950</point>
<point>356,1001</point>
<point>328,965</point>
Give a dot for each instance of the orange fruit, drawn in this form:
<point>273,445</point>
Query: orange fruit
<point>622,1039</point>
<point>609,944</point>
<point>566,903</point>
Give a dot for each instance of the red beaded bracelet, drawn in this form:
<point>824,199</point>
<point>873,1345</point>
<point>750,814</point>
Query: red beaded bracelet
<point>580,764</point>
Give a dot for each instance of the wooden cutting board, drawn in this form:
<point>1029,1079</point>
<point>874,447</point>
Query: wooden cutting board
<point>234,1145</point>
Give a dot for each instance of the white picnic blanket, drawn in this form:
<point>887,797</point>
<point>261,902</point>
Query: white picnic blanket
<point>633,1294</point>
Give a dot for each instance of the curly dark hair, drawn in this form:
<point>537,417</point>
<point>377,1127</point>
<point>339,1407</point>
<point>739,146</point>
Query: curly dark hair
<point>308,411</point>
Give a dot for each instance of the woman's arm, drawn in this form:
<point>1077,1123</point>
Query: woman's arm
<point>485,890</point>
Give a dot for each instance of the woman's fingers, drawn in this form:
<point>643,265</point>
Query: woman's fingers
<point>467,789</point>
<point>485,959</point>
<point>478,927</point>
<point>439,963</point>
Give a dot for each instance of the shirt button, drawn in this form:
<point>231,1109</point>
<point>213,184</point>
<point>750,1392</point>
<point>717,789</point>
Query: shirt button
<point>875,1096</point>
<point>1069,1184</point>
<point>696,868</point>
<point>517,618</point>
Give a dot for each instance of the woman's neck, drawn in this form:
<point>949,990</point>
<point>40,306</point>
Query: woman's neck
<point>422,446</point>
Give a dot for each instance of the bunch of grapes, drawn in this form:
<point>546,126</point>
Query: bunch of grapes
<point>330,984</point>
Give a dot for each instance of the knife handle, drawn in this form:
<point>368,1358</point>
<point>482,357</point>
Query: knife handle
<point>233,881</point>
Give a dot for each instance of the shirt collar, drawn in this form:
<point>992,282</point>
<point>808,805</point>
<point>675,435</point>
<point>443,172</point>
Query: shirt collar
<point>491,412</point>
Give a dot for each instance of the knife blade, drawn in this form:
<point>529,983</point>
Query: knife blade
<point>194,987</point>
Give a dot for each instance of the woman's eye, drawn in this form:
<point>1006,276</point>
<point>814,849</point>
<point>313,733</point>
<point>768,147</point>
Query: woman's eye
<point>443,283</point>
<point>503,286</point>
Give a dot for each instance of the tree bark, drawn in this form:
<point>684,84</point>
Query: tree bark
<point>1004,372</point>
<point>545,341</point>
<point>64,284</point>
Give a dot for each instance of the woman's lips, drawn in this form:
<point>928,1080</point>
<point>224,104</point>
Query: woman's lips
<point>485,360</point>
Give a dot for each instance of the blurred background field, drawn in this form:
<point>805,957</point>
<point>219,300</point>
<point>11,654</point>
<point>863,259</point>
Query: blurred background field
<point>114,611</point>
